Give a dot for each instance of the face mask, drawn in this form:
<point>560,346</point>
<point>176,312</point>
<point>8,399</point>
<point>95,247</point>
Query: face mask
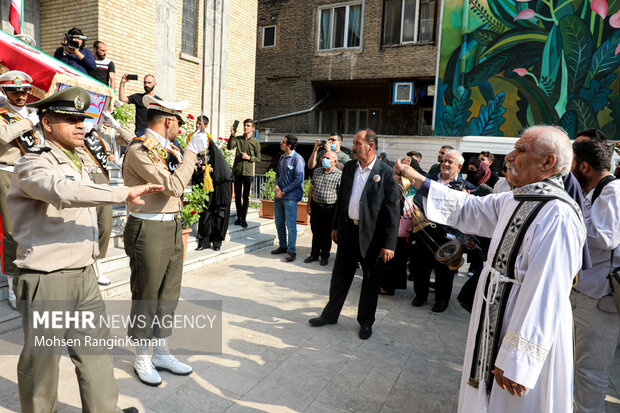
<point>326,163</point>
<point>333,146</point>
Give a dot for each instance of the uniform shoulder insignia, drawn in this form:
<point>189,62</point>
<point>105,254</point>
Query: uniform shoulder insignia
<point>39,149</point>
<point>3,111</point>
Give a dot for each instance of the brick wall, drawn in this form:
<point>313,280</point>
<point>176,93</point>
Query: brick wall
<point>241,60</point>
<point>295,75</point>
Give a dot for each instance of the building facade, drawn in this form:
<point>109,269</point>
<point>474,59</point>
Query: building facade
<point>164,38</point>
<point>329,65</point>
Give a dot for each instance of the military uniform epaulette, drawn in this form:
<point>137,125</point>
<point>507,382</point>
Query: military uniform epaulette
<point>3,111</point>
<point>39,149</point>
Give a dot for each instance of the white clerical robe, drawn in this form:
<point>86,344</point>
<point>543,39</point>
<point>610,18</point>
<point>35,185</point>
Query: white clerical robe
<point>536,347</point>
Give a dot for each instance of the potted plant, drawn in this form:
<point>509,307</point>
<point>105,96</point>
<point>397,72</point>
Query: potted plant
<point>302,207</point>
<point>193,204</point>
<point>267,193</point>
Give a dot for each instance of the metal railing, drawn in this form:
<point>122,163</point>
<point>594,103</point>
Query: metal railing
<point>257,185</point>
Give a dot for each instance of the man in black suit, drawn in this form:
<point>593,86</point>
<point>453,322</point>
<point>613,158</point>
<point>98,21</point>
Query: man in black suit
<point>365,226</point>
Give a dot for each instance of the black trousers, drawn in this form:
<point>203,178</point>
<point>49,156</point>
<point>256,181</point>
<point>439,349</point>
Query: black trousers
<point>347,257</point>
<point>321,220</point>
<point>422,265</point>
<point>243,184</point>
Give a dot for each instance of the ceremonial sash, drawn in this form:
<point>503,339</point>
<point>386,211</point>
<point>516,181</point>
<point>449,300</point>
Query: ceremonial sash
<point>95,148</point>
<point>531,200</point>
<point>156,152</point>
<point>26,140</point>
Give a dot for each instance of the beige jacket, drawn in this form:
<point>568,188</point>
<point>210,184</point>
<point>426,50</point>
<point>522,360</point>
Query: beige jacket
<point>9,151</point>
<point>51,204</point>
<point>139,169</point>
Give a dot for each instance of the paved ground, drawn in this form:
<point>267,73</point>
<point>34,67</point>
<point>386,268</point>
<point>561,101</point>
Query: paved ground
<point>272,361</point>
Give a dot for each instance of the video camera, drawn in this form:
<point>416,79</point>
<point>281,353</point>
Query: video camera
<point>71,43</point>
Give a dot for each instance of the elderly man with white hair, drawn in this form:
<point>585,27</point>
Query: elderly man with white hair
<point>519,354</point>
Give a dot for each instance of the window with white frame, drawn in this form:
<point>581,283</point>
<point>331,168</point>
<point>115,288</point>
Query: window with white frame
<point>340,26</point>
<point>408,21</point>
<point>268,38</point>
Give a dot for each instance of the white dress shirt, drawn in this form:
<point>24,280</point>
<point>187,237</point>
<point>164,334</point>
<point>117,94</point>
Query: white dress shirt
<point>359,181</point>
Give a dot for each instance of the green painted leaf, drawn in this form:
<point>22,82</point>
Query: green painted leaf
<point>551,60</point>
<point>524,55</point>
<point>492,116</point>
<point>485,37</point>
<point>577,46</point>
<point>455,118</point>
<point>586,117</point>
<point>541,106</point>
<point>569,123</point>
<point>514,38</point>
<point>604,60</point>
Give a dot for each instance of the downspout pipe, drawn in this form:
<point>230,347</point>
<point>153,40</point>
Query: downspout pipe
<point>299,112</point>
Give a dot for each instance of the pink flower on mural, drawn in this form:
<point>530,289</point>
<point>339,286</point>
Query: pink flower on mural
<point>600,7</point>
<point>520,71</point>
<point>525,14</point>
<point>614,20</point>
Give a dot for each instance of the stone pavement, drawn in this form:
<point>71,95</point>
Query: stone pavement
<point>273,361</point>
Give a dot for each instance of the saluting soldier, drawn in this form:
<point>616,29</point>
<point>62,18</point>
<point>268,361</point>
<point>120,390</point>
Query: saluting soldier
<point>19,132</point>
<point>51,202</point>
<point>152,234</point>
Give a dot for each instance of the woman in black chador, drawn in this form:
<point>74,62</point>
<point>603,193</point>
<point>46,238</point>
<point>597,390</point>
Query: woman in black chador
<point>213,223</point>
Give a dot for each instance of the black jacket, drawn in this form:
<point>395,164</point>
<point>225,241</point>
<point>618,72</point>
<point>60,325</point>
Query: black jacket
<point>379,208</point>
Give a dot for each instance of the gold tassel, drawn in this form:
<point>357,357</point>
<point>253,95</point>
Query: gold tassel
<point>208,182</point>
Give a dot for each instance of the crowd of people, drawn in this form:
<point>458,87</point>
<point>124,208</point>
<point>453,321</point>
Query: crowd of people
<point>541,240</point>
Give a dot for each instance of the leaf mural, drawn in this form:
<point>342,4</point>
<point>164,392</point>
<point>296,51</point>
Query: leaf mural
<point>440,108</point>
<point>597,93</point>
<point>577,46</point>
<point>586,118</point>
<point>541,107</point>
<point>454,121</point>
<point>524,55</point>
<point>490,118</point>
<point>569,124</point>
<point>605,60</point>
<point>551,59</point>
<point>513,38</point>
<point>485,37</point>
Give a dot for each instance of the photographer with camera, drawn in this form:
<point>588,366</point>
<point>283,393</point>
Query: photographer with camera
<point>333,144</point>
<point>149,84</point>
<point>72,51</point>
<point>424,259</point>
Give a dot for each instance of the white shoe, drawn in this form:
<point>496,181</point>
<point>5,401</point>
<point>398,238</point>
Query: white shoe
<point>169,363</point>
<point>145,370</point>
<point>103,280</point>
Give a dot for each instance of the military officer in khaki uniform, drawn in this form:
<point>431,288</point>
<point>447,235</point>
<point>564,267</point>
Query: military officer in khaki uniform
<point>152,234</point>
<point>19,131</point>
<point>97,152</point>
<point>51,202</point>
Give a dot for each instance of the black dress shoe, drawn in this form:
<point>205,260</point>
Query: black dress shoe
<point>130,410</point>
<point>279,250</point>
<point>418,301</point>
<point>244,223</point>
<point>216,248</point>
<point>200,247</point>
<point>365,332</point>
<point>324,261</point>
<point>311,259</point>
<point>439,306</point>
<point>320,321</point>
<point>290,257</point>
<point>238,221</point>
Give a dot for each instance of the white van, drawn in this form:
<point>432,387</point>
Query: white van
<point>471,146</point>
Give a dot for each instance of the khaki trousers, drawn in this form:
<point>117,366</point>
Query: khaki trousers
<point>9,246</point>
<point>155,251</point>
<point>37,369</point>
<point>104,219</point>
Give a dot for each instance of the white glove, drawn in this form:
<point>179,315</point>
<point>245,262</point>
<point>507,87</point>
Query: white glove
<point>33,117</point>
<point>199,143</point>
<point>109,119</point>
<point>88,126</point>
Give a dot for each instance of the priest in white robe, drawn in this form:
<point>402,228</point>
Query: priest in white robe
<point>519,354</point>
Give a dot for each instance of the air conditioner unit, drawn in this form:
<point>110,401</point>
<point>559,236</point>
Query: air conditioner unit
<point>402,93</point>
